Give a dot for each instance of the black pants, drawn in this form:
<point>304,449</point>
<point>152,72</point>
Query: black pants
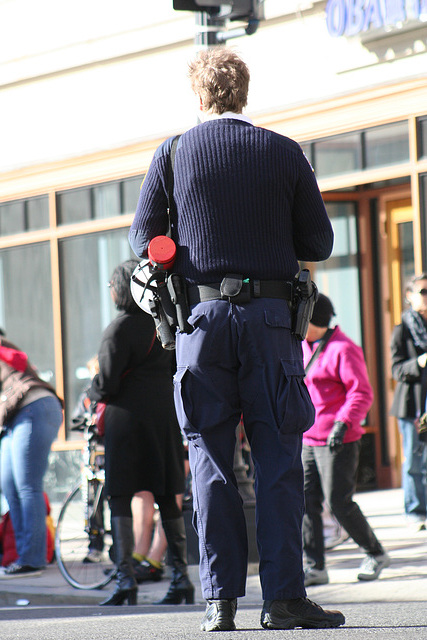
<point>332,476</point>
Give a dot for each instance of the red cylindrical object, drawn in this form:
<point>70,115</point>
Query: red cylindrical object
<point>162,252</point>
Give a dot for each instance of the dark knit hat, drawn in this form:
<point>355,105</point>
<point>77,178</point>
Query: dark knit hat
<point>323,311</point>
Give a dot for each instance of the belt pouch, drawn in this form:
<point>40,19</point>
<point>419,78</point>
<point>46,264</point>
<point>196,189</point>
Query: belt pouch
<point>234,289</point>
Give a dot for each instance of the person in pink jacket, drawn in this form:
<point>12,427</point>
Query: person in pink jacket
<point>338,382</point>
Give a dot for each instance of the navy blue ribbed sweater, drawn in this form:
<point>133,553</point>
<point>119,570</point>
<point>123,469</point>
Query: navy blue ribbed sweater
<point>247,202</point>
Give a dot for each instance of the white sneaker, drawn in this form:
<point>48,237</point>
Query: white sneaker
<point>93,556</point>
<point>315,576</point>
<point>372,566</point>
<point>416,526</point>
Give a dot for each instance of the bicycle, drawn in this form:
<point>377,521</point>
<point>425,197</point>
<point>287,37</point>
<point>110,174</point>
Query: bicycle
<point>80,527</point>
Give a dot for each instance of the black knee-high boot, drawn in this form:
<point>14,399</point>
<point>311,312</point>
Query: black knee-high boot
<point>126,587</point>
<point>181,588</point>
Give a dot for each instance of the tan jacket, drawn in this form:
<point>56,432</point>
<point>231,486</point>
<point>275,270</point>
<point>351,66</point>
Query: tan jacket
<point>15,387</point>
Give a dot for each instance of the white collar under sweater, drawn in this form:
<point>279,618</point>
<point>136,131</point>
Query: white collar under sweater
<point>227,114</point>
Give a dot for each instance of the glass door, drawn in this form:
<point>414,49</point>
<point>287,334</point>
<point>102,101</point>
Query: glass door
<point>338,277</point>
<point>401,264</point>
<point>401,252</point>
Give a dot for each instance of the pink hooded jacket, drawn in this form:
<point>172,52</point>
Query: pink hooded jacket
<point>339,388</point>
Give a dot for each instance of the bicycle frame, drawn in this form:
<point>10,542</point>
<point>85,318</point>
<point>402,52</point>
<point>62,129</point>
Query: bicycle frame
<point>80,519</point>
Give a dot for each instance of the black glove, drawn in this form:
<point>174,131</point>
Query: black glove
<point>336,437</point>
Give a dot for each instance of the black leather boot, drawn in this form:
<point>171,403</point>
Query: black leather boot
<point>126,587</point>
<point>181,588</point>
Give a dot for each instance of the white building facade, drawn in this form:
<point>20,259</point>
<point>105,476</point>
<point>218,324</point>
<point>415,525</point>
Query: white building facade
<point>89,89</point>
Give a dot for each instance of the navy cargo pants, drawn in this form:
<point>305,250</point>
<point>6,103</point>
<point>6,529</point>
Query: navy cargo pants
<point>243,359</point>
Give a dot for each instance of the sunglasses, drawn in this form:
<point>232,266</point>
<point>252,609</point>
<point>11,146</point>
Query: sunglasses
<point>422,292</point>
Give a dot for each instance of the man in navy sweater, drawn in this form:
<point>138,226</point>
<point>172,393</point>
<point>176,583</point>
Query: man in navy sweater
<point>247,208</point>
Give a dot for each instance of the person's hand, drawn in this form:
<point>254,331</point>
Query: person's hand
<point>336,437</point>
<point>421,426</point>
<point>422,360</point>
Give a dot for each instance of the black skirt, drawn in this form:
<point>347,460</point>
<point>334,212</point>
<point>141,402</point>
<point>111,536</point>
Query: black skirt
<point>143,442</point>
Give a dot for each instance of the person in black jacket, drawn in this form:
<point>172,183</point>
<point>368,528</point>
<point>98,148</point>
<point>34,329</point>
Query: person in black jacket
<point>143,444</point>
<point>409,358</point>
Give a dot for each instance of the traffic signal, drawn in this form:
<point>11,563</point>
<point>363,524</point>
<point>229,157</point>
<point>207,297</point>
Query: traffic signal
<point>193,5</point>
<point>246,9</point>
<point>239,9</point>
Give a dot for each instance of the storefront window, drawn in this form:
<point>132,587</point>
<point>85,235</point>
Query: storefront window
<point>406,244</point>
<point>98,201</point>
<point>26,304</point>
<point>386,145</point>
<point>338,277</point>
<point>308,151</point>
<point>37,213</point>
<point>24,215</point>
<point>422,138</point>
<point>423,214</point>
<point>367,149</point>
<point>74,206</point>
<point>86,264</point>
<point>336,155</point>
<point>106,200</point>
<point>130,193</point>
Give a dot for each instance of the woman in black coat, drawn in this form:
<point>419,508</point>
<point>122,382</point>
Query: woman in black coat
<point>143,444</point>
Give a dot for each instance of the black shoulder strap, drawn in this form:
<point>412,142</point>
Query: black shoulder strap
<point>322,344</point>
<point>171,166</point>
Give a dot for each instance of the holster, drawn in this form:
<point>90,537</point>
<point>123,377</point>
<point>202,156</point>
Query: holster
<point>177,290</point>
<point>304,299</point>
<point>163,328</point>
<point>170,308</point>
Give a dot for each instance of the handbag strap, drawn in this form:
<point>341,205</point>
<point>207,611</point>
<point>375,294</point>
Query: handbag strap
<point>171,166</point>
<point>322,344</point>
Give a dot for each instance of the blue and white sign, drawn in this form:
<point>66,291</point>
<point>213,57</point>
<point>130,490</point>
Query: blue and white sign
<point>350,17</point>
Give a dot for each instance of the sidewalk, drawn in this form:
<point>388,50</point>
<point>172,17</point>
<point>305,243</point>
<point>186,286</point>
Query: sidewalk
<point>404,581</point>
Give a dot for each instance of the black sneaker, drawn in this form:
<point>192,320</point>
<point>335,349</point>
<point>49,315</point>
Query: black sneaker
<point>219,615</point>
<point>15,570</point>
<point>145,571</point>
<point>301,612</point>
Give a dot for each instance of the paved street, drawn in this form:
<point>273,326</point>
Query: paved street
<point>392,607</point>
<point>396,621</point>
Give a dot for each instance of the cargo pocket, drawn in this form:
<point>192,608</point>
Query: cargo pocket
<point>199,402</point>
<point>181,406</point>
<point>294,405</point>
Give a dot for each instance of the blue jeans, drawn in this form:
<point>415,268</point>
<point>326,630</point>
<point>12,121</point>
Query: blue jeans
<point>414,470</point>
<point>24,458</point>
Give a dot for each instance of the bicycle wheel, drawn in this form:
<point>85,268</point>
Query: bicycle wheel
<point>75,536</point>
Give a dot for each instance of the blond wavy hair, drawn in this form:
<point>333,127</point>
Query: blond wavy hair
<point>221,79</point>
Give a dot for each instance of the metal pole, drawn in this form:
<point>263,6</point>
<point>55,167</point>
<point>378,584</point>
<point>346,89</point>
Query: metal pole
<point>208,25</point>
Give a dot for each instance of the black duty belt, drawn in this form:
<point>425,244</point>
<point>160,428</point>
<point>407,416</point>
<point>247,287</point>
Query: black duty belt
<point>252,289</point>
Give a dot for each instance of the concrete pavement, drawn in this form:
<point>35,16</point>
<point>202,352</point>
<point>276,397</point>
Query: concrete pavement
<point>404,581</point>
